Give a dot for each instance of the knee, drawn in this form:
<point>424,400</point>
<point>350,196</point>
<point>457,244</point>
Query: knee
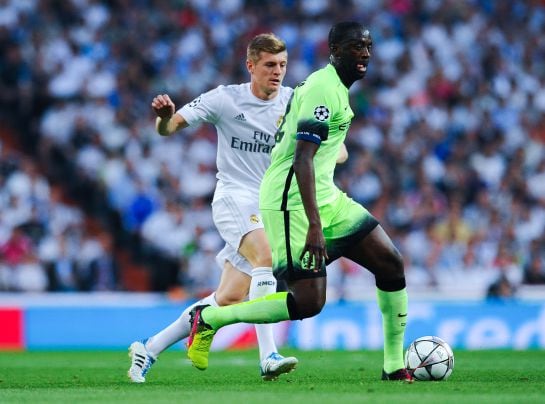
<point>306,307</point>
<point>389,265</point>
<point>262,258</point>
<point>397,265</point>
<point>312,310</point>
<point>229,297</point>
<point>392,278</point>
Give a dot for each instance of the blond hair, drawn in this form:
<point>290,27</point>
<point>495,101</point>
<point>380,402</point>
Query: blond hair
<point>268,42</point>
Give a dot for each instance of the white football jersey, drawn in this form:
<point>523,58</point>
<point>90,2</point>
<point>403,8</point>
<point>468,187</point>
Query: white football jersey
<point>245,126</point>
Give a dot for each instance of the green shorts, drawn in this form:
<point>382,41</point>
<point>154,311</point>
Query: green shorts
<point>344,223</point>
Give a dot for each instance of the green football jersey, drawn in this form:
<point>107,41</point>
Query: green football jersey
<point>318,112</point>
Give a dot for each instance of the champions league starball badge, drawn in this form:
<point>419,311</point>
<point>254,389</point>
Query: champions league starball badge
<point>321,113</point>
<point>195,102</point>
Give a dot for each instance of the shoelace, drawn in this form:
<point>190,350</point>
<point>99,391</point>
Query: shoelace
<point>275,356</point>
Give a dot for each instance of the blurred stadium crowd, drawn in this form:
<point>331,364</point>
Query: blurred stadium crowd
<point>447,147</point>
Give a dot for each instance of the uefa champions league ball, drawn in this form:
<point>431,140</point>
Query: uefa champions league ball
<point>429,358</point>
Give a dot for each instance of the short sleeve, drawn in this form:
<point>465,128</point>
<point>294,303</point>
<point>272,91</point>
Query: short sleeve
<point>205,108</point>
<point>315,112</point>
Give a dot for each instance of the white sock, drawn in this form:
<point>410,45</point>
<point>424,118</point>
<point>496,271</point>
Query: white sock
<point>176,331</point>
<point>263,283</point>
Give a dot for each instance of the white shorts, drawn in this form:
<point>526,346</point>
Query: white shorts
<point>235,217</point>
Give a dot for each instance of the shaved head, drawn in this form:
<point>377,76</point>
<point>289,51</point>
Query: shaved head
<point>346,30</point>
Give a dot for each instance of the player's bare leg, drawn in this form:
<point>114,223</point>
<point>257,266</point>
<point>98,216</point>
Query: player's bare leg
<point>206,320</point>
<point>233,288</point>
<point>305,299</point>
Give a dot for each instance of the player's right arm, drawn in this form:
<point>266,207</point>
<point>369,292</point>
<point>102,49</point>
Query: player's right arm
<point>167,121</point>
<point>303,167</point>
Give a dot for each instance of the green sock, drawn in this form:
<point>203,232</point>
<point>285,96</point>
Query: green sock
<point>393,306</point>
<point>267,309</point>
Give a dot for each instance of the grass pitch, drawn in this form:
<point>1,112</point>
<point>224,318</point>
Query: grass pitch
<point>233,377</point>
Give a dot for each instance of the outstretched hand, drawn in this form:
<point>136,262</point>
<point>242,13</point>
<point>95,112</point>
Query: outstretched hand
<point>163,106</point>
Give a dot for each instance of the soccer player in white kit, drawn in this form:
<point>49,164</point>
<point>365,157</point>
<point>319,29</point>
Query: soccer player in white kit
<point>246,117</point>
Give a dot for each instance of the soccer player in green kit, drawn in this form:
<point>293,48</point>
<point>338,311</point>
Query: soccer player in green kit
<point>309,221</point>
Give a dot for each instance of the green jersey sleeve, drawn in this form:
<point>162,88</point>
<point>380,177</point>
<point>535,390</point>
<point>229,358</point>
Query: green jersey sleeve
<point>318,112</point>
<point>315,111</point>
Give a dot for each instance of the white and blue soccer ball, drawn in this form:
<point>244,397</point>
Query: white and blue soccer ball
<point>429,358</point>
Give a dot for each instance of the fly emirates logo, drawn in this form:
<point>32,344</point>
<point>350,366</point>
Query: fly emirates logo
<point>258,143</point>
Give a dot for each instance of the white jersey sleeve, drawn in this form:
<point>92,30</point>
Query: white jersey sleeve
<point>206,107</point>
<point>246,126</point>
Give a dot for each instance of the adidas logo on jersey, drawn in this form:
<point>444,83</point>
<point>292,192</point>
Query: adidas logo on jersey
<point>240,117</point>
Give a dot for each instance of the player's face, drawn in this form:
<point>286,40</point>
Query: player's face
<point>354,53</point>
<point>268,73</point>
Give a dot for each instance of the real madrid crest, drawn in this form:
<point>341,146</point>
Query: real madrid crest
<point>279,121</point>
<point>254,219</point>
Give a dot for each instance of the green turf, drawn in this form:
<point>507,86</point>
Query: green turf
<point>321,377</point>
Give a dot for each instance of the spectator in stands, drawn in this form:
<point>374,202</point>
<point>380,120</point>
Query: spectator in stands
<point>534,268</point>
<point>15,250</point>
<point>21,270</point>
<point>501,289</point>
<point>534,271</point>
<point>469,88</point>
<point>62,269</point>
<point>103,271</point>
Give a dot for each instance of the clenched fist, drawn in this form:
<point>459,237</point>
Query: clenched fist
<point>163,106</point>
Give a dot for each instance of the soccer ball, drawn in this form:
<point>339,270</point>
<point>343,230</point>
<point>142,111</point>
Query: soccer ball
<point>429,358</point>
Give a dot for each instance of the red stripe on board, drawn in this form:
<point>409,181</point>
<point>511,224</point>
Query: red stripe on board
<point>247,339</point>
<point>11,324</point>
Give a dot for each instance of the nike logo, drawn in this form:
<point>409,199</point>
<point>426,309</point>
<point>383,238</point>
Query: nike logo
<point>402,315</point>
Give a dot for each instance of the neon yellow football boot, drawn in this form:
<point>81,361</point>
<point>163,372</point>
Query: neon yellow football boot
<point>200,339</point>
